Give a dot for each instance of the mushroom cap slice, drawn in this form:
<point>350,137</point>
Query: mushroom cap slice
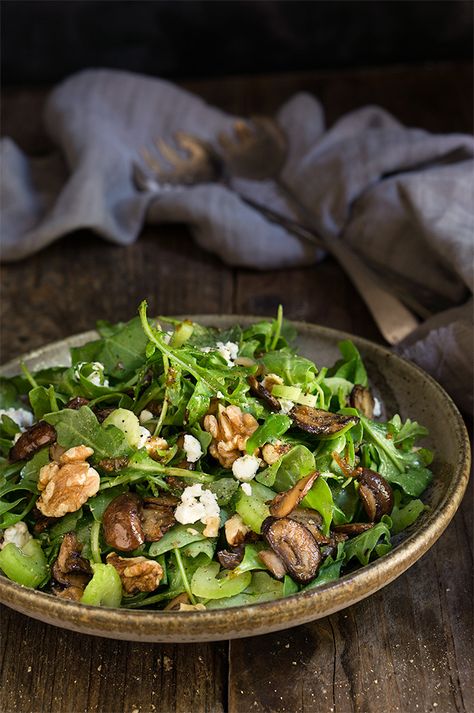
<point>40,435</point>
<point>258,390</point>
<point>122,523</point>
<point>361,398</point>
<point>295,545</point>
<point>284,503</point>
<point>351,529</point>
<point>375,493</point>
<point>273,562</point>
<point>320,422</point>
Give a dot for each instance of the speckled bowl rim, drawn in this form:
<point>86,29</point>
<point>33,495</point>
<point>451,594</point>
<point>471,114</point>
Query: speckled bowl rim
<point>238,622</point>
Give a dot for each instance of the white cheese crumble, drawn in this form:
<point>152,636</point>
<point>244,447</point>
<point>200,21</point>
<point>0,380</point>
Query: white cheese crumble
<point>18,534</point>
<point>286,405</point>
<point>197,505</point>
<point>247,488</point>
<point>192,448</point>
<point>229,350</point>
<point>245,468</point>
<point>377,407</point>
<point>22,417</point>
<point>145,416</point>
<point>143,437</point>
<point>96,376</point>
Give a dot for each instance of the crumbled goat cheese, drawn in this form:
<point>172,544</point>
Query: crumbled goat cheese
<point>377,407</point>
<point>143,437</point>
<point>96,376</point>
<point>192,448</point>
<point>220,395</point>
<point>247,488</point>
<point>197,505</point>
<point>145,416</point>
<point>22,417</point>
<point>245,468</point>
<point>229,351</point>
<point>286,405</point>
<point>18,534</point>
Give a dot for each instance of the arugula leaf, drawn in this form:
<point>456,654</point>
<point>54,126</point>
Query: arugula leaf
<point>9,397</point>
<point>373,541</point>
<point>320,498</point>
<point>121,349</point>
<point>329,570</point>
<point>81,427</point>
<point>292,466</point>
<point>404,515</point>
<point>350,367</point>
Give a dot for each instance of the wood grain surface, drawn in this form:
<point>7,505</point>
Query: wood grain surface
<point>406,649</point>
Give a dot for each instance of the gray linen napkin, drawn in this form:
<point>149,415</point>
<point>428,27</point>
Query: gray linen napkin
<point>403,197</point>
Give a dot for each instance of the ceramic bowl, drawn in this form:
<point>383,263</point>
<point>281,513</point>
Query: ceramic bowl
<point>403,388</point>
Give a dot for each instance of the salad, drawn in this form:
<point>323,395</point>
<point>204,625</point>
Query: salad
<point>177,466</point>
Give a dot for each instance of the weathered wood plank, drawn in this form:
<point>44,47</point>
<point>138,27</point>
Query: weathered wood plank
<point>48,669</point>
<point>407,648</point>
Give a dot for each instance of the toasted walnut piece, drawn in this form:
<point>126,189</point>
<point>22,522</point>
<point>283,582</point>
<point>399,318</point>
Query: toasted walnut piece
<point>271,452</point>
<point>66,486</point>
<point>230,431</point>
<point>75,455</point>
<point>212,526</point>
<point>235,530</point>
<point>138,574</point>
<point>155,444</point>
<point>191,607</point>
<point>271,380</point>
<point>175,603</point>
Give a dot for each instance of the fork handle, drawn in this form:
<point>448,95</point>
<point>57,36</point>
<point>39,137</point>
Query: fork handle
<point>393,319</point>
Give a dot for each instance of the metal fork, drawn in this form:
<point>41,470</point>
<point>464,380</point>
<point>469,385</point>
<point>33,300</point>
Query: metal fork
<point>258,150</point>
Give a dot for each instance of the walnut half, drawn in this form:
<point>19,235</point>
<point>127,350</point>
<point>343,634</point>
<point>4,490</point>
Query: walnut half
<point>138,574</point>
<point>67,484</point>
<point>230,431</point>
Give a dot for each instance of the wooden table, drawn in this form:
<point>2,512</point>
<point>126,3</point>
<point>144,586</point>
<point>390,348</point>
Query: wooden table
<point>407,648</point>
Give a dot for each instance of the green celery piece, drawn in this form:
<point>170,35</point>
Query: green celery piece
<point>262,588</point>
<point>26,566</point>
<point>182,333</point>
<point>127,422</point>
<point>82,427</point>
<point>252,510</point>
<point>206,585</point>
<point>179,536</point>
<point>105,587</point>
<point>274,427</point>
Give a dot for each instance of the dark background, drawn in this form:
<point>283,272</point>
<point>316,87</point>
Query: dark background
<point>43,42</point>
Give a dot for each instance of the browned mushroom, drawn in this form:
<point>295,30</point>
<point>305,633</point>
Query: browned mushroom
<point>102,413</point>
<point>157,516</point>
<point>76,402</point>
<point>361,398</point>
<point>273,562</point>
<point>283,503</point>
<point>258,390</point>
<point>318,421</point>
<point>375,493</point>
<point>71,572</point>
<point>313,521</point>
<point>34,438</point>
<point>175,603</point>
<point>351,529</point>
<point>229,559</point>
<point>295,545</point>
<point>122,523</point>
<point>112,465</point>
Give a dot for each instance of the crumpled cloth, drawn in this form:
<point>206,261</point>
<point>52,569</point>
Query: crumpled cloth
<point>402,197</point>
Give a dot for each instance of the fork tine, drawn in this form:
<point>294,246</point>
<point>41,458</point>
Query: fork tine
<point>192,145</point>
<point>151,161</point>
<point>169,153</point>
<point>242,130</point>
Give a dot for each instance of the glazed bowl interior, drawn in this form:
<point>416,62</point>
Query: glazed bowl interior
<point>402,388</point>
